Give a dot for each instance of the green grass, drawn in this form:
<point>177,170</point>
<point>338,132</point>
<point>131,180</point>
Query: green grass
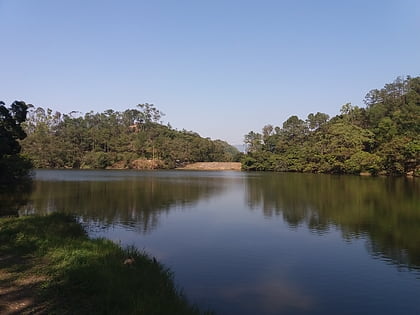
<point>86,276</point>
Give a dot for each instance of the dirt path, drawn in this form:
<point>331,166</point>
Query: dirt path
<point>18,286</point>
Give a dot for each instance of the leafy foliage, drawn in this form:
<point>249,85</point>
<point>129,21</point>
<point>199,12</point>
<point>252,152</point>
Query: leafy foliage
<point>13,166</point>
<point>115,139</point>
<point>381,138</point>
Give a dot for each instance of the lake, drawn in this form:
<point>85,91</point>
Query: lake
<point>256,243</point>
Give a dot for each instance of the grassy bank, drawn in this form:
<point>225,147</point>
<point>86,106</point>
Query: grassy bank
<point>49,265</point>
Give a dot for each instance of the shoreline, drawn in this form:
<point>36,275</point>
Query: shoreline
<point>50,265</point>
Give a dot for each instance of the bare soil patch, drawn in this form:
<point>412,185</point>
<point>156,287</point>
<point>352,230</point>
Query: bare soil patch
<point>213,166</point>
<point>19,285</point>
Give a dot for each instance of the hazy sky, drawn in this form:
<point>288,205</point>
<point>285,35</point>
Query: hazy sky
<point>220,68</point>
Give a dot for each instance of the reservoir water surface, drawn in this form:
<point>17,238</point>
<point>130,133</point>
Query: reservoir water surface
<point>256,243</point>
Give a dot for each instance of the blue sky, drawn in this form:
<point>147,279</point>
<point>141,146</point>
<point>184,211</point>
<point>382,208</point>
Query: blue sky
<point>220,68</point>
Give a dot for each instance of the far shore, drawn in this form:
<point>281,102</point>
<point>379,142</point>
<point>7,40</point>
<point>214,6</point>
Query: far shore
<point>212,166</point>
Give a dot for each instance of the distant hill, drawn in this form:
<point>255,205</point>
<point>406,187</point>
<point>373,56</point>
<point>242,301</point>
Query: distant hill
<point>134,138</point>
<point>240,147</point>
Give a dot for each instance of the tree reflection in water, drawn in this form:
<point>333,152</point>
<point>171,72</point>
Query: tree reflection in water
<point>137,203</point>
<point>386,210</point>
<point>13,197</point>
<point>383,211</point>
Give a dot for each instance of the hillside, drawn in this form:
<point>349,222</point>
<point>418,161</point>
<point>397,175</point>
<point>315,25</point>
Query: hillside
<point>134,138</point>
<point>381,138</point>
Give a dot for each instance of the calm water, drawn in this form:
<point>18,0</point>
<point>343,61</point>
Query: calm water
<point>255,243</point>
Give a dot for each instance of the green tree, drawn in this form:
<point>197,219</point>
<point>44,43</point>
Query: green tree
<point>295,130</point>
<point>381,138</point>
<point>112,138</point>
<point>13,166</point>
<point>253,141</point>
<point>315,121</point>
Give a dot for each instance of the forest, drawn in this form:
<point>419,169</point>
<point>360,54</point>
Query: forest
<point>135,138</point>
<point>381,138</point>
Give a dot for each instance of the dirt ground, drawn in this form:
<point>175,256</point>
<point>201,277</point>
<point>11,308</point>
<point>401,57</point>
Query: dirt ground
<point>213,166</point>
<point>18,287</point>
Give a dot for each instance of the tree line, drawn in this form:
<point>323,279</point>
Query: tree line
<point>381,138</point>
<point>115,139</point>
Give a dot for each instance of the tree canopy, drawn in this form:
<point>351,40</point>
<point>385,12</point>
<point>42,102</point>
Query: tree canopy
<point>383,137</point>
<point>13,166</point>
<point>134,138</point>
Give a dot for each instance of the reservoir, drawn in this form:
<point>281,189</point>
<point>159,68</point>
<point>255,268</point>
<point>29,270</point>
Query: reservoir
<point>255,243</point>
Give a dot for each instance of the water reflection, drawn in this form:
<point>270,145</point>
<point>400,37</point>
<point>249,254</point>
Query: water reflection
<point>387,210</point>
<point>136,202</point>
<point>13,197</point>
<point>273,296</point>
<point>286,255</point>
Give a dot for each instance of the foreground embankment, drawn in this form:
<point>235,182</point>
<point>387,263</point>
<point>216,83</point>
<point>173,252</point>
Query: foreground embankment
<point>49,265</point>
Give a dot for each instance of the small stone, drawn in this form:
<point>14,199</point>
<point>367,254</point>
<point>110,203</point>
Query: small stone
<point>129,261</point>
